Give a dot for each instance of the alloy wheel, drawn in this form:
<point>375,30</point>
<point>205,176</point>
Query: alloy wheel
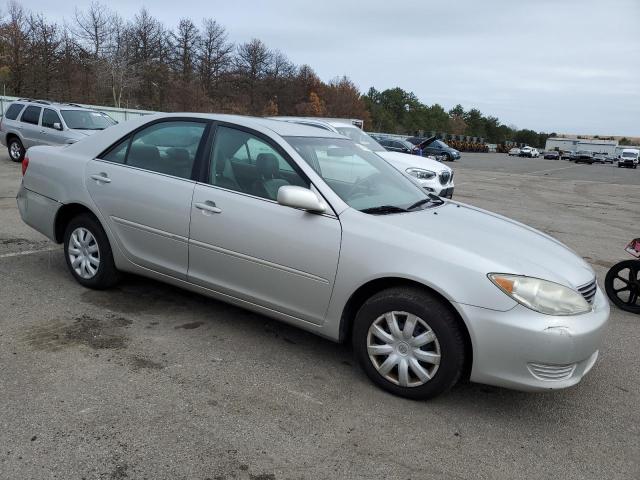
<point>84,253</point>
<point>15,151</point>
<point>403,349</point>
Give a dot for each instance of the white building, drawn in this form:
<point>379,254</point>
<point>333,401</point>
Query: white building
<point>575,144</point>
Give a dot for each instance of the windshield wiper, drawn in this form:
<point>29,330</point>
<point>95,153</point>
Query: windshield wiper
<point>432,199</point>
<point>383,210</point>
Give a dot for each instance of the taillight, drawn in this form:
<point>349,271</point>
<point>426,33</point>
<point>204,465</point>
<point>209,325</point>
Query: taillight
<point>25,164</point>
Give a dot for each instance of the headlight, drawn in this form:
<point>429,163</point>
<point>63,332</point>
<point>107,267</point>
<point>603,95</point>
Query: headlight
<point>541,295</point>
<point>421,174</point>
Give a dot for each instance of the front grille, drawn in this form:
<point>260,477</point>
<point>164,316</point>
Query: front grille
<point>444,178</point>
<point>544,371</point>
<point>588,291</point>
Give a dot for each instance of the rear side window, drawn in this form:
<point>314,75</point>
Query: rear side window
<point>117,154</point>
<point>49,118</point>
<point>166,147</point>
<point>31,115</point>
<point>13,111</point>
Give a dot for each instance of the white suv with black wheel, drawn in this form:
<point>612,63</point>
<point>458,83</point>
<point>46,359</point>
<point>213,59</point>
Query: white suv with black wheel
<point>27,123</point>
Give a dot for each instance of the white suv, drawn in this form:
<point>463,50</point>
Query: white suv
<point>529,152</point>
<point>427,172</point>
<point>629,158</point>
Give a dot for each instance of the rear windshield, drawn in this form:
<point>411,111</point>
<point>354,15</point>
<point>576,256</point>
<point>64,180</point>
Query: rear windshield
<point>86,120</point>
<point>13,111</point>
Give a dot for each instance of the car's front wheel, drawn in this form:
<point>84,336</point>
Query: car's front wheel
<point>88,253</point>
<point>16,150</point>
<point>409,343</point>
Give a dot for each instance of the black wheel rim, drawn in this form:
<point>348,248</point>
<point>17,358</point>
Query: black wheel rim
<point>623,285</point>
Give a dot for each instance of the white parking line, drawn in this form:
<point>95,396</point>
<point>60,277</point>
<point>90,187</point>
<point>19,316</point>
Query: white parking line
<point>28,252</point>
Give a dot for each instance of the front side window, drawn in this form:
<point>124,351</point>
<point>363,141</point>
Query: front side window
<point>13,111</point>
<point>362,179</point>
<point>246,163</point>
<point>165,147</point>
<point>86,119</point>
<point>31,115</point>
<point>50,118</point>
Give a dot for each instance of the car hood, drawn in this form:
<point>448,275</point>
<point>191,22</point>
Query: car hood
<point>492,243</point>
<point>402,161</point>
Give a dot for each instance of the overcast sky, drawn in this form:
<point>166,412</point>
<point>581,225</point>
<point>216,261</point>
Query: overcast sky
<point>569,66</point>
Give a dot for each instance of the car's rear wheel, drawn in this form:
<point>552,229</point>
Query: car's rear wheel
<point>409,343</point>
<point>88,253</point>
<point>16,149</point>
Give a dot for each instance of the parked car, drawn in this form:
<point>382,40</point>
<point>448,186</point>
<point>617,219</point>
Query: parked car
<point>529,152</point>
<point>306,226</point>
<point>27,123</point>
<point>436,148</point>
<point>629,158</point>
<point>600,158</point>
<point>398,145</point>
<point>431,175</point>
<point>552,155</point>
<point>514,152</point>
<point>583,156</point>
<point>568,155</point>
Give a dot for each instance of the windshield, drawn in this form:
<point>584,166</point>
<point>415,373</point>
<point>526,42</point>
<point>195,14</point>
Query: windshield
<point>360,137</point>
<point>86,120</point>
<point>439,144</point>
<point>629,154</point>
<point>362,179</point>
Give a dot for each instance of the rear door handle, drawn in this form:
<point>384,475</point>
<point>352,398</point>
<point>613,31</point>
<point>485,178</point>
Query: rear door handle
<point>102,177</point>
<point>208,206</point>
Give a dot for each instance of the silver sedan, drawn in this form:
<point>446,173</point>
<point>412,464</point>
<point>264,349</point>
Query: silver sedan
<point>305,226</point>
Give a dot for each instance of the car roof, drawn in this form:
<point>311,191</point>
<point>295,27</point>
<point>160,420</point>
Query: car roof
<point>51,104</point>
<point>284,129</point>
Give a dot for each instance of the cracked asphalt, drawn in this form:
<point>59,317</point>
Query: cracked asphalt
<point>146,381</point>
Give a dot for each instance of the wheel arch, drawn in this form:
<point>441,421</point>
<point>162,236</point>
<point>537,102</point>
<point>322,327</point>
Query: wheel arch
<point>65,214</point>
<point>367,290</point>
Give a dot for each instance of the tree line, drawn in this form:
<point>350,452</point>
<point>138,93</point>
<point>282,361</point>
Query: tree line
<point>98,57</point>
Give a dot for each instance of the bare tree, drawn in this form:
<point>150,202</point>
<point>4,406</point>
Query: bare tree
<point>252,65</point>
<point>93,27</point>
<point>14,36</point>
<point>215,56</point>
<point>184,45</point>
<point>43,53</point>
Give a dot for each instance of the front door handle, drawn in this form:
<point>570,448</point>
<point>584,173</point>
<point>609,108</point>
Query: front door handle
<point>208,206</point>
<point>101,178</point>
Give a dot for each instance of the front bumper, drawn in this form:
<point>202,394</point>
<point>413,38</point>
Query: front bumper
<point>526,350</point>
<point>436,188</point>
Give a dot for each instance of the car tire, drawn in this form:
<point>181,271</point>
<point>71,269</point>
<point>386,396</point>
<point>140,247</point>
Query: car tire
<point>88,253</point>
<point>446,157</point>
<point>609,285</point>
<point>404,366</point>
<point>16,149</point>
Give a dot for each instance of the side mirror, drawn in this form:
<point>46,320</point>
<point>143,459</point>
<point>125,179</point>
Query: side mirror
<point>57,126</point>
<point>300,197</point>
